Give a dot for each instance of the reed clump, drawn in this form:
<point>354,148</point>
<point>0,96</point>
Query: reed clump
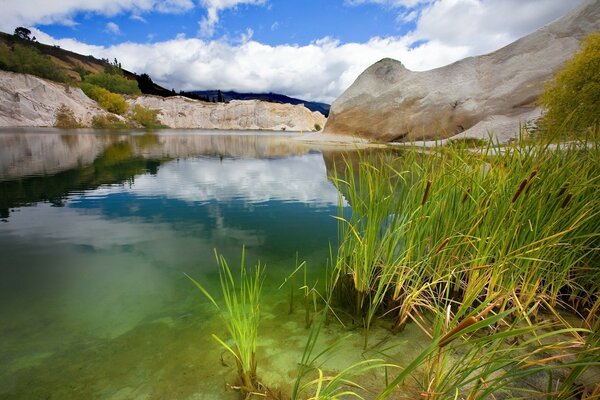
<point>482,249</point>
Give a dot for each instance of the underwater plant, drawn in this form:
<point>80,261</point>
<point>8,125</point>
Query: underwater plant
<point>241,314</point>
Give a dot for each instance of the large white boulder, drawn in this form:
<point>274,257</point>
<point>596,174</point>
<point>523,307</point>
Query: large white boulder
<point>489,93</point>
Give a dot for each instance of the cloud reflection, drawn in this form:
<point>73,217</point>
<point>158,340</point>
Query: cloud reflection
<point>293,179</point>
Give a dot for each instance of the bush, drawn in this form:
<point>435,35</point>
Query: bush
<point>109,121</point>
<point>572,99</point>
<point>317,127</point>
<point>111,102</point>
<point>65,118</point>
<point>29,60</point>
<point>146,117</point>
<point>113,82</point>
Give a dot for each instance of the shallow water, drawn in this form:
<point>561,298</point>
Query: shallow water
<point>98,231</point>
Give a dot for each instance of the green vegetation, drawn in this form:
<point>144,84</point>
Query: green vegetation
<point>572,99</point>
<point>317,127</point>
<point>462,242</point>
<point>111,102</point>
<point>145,117</point>
<point>109,121</point>
<point>241,316</point>
<point>65,119</point>
<point>28,60</point>
<point>492,254</point>
<point>113,82</point>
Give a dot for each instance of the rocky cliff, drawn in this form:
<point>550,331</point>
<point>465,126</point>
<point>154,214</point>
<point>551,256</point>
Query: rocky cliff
<point>477,95</point>
<point>30,101</point>
<point>27,100</point>
<point>181,112</point>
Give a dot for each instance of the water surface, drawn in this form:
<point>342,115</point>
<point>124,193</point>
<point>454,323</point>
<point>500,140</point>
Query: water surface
<point>97,232</point>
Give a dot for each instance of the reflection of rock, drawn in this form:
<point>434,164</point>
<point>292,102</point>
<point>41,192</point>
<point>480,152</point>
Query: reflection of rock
<point>181,112</point>
<point>489,92</point>
<point>24,154</point>
<point>26,100</point>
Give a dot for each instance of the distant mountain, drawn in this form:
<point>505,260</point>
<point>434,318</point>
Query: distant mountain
<point>213,95</point>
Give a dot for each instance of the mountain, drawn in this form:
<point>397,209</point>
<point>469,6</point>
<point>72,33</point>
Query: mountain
<point>472,97</point>
<point>213,95</point>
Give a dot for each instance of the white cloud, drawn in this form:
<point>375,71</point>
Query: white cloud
<point>446,31</point>
<point>31,12</point>
<point>387,3</point>
<point>486,25</point>
<point>213,7</point>
<point>112,28</point>
<point>139,18</point>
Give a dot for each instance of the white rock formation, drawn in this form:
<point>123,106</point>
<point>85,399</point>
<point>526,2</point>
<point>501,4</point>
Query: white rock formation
<point>181,112</point>
<point>27,100</point>
<point>477,95</point>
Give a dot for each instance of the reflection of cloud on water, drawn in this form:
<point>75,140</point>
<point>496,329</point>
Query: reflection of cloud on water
<point>293,179</point>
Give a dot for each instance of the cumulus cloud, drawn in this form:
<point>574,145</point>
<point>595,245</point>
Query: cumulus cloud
<point>33,12</point>
<point>387,3</point>
<point>484,26</point>
<point>446,31</point>
<point>213,7</point>
<point>112,28</point>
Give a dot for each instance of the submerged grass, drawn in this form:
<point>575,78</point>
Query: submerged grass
<point>241,315</point>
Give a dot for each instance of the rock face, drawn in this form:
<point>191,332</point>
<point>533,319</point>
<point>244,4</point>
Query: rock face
<point>30,101</point>
<point>26,100</point>
<point>181,112</point>
<point>493,92</point>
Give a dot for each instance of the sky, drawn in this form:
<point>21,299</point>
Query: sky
<point>310,49</point>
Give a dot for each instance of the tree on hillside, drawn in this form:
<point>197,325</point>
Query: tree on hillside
<point>23,33</point>
<point>572,99</point>
<point>145,83</point>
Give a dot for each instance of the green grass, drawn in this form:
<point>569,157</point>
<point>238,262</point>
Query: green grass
<point>241,315</point>
<point>438,238</point>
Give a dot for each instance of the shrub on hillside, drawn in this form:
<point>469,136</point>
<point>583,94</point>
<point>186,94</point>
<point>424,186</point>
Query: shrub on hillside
<point>113,82</point>
<point>109,121</point>
<point>146,117</point>
<point>111,102</point>
<point>65,118</point>
<point>29,60</point>
<point>572,99</point>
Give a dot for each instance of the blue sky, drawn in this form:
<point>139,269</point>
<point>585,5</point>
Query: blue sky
<point>282,22</point>
<point>311,49</point>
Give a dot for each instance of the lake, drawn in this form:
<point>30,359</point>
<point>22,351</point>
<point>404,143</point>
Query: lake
<point>98,231</point>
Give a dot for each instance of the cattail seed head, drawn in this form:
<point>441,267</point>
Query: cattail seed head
<point>519,190</point>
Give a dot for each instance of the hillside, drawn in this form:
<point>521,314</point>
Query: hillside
<point>212,95</point>
<point>77,64</point>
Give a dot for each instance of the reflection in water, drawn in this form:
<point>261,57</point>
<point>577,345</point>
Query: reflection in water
<point>93,298</point>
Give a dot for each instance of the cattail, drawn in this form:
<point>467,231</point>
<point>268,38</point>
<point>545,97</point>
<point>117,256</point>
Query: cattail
<point>449,337</point>
<point>566,200</point>
<point>426,194</point>
<point>562,190</point>
<point>465,196</point>
<point>519,190</point>
<point>533,174</point>
<point>442,245</point>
